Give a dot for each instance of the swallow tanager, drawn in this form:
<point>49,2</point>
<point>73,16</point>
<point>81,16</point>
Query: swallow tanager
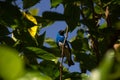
<point>66,50</point>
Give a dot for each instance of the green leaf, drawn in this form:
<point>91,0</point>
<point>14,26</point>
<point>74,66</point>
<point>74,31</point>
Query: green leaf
<point>44,22</point>
<point>52,70</point>
<point>84,76</point>
<point>85,44</point>
<point>25,37</point>
<point>11,65</point>
<point>77,44</point>
<point>102,26</point>
<point>25,23</point>
<point>55,3</point>
<point>53,16</point>
<point>43,54</point>
<point>116,2</point>
<point>72,14</point>
<point>106,64</point>
<point>12,17</point>
<point>104,69</point>
<point>86,3</point>
<point>53,50</point>
<point>106,2</point>
<point>69,76</point>
<point>34,11</point>
<point>40,39</point>
<point>87,12</point>
<point>34,76</point>
<point>98,10</point>
<point>117,25</point>
<point>51,42</point>
<point>87,61</point>
<point>29,3</point>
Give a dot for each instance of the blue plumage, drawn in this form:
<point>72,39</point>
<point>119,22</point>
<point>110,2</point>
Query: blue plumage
<point>67,51</point>
<point>60,38</point>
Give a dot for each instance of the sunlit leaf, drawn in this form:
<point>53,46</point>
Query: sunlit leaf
<point>34,76</point>
<point>84,76</point>
<point>106,65</point>
<point>33,29</point>
<point>34,11</point>
<point>103,71</point>
<point>11,65</point>
<point>55,3</point>
<point>102,26</point>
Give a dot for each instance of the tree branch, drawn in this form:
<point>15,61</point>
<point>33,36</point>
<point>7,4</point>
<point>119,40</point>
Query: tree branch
<point>61,64</point>
<point>107,17</point>
<point>94,40</point>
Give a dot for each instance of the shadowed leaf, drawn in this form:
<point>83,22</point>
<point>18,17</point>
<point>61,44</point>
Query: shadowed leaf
<point>53,16</point>
<point>29,3</point>
<point>43,54</point>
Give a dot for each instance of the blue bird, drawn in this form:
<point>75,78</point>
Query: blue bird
<point>66,51</point>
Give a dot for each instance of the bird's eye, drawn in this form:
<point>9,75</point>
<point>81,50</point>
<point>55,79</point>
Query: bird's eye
<point>61,32</point>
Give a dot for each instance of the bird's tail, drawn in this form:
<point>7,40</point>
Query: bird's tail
<point>67,53</point>
<point>70,62</point>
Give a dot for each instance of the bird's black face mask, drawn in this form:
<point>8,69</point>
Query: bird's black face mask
<point>61,32</point>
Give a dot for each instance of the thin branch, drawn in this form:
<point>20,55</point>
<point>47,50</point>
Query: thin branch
<point>94,45</point>
<point>61,64</point>
<point>107,17</point>
<point>61,68</point>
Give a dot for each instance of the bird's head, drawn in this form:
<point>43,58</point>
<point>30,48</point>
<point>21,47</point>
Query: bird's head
<point>61,32</point>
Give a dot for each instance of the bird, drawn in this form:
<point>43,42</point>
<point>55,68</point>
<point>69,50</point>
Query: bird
<point>66,50</point>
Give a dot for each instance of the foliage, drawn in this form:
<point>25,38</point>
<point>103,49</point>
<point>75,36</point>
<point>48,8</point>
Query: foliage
<point>23,55</point>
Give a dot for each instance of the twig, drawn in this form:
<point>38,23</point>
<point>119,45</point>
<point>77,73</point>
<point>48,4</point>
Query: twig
<point>107,17</point>
<point>61,64</point>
